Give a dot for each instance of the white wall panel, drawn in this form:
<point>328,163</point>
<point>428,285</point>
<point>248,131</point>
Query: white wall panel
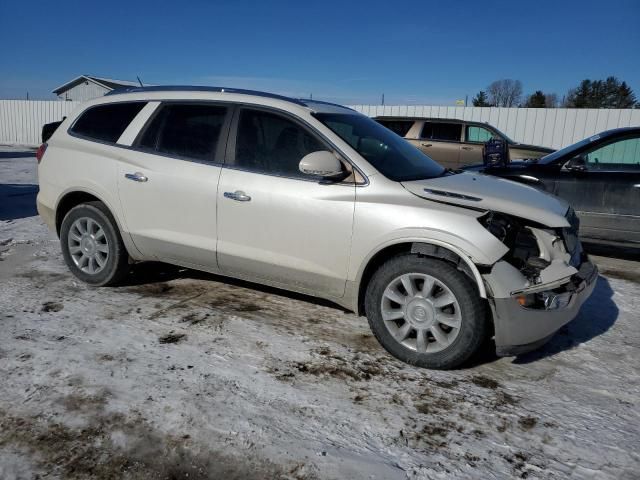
<point>21,121</point>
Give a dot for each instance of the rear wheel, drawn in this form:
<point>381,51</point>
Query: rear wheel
<point>92,246</point>
<point>425,312</point>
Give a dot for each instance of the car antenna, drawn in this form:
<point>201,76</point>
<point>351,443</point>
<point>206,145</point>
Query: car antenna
<point>140,81</point>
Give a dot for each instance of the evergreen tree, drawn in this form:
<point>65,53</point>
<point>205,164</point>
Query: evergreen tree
<point>609,93</point>
<point>537,100</point>
<point>480,100</point>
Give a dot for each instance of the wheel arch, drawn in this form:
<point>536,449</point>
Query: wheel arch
<point>430,248</point>
<point>72,199</point>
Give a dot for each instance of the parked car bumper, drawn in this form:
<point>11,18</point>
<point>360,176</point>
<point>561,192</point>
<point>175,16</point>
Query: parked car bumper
<point>47,214</point>
<point>521,329</point>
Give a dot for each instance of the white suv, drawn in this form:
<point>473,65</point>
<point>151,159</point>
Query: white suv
<point>316,198</point>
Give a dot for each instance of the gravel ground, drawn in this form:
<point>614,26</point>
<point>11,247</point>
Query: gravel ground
<point>187,375</point>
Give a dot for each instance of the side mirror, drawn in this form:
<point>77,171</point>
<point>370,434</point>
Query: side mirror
<point>577,164</point>
<point>321,164</point>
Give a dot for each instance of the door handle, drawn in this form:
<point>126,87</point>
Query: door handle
<point>427,144</point>
<point>467,148</point>
<point>136,177</point>
<point>238,196</point>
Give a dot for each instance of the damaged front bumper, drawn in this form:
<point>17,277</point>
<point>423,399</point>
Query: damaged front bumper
<point>522,325</point>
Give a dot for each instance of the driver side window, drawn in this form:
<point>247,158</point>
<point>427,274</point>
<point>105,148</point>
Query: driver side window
<point>620,155</point>
<point>271,144</point>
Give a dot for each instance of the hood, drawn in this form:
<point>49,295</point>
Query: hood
<point>533,148</point>
<point>485,192</point>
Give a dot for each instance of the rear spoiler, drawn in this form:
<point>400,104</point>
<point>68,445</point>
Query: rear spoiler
<point>48,129</point>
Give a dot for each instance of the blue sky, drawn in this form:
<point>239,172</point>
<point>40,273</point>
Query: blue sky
<point>430,52</point>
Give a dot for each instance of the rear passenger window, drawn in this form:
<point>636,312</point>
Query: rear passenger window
<point>271,144</point>
<point>106,122</point>
<point>191,131</point>
<point>447,132</point>
<point>399,127</point>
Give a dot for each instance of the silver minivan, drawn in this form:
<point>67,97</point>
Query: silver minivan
<point>315,198</point>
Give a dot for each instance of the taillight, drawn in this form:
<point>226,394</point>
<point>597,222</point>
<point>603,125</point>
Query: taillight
<point>40,153</point>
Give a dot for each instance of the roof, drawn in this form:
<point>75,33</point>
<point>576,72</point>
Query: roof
<point>108,83</point>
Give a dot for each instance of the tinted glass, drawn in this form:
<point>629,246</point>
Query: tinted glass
<point>190,131</point>
<point>448,132</point>
<point>106,122</point>
<point>478,134</point>
<point>269,143</point>
<point>623,154</point>
<point>399,127</point>
<point>394,157</point>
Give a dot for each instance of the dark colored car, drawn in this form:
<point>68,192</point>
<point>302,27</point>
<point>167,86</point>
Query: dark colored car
<point>599,176</point>
<point>455,143</point>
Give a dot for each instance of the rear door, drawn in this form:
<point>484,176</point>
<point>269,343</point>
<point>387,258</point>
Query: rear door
<point>168,181</point>
<point>605,191</point>
<point>275,223</point>
<point>471,150</point>
<point>441,141</point>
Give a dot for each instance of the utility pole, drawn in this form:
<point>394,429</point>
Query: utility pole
<point>466,99</point>
<point>27,94</point>
<point>383,99</point>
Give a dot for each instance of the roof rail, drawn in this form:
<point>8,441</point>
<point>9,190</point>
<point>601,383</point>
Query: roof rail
<point>196,88</point>
<point>307,101</point>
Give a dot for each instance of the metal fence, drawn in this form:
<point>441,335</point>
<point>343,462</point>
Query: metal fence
<point>21,121</point>
<point>548,127</point>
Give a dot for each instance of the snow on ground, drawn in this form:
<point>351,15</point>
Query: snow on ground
<point>187,375</point>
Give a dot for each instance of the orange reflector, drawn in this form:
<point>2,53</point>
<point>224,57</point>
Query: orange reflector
<point>522,300</point>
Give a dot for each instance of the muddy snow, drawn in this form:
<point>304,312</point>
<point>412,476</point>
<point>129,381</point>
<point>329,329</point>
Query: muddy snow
<point>180,374</point>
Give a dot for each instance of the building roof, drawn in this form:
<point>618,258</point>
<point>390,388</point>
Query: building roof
<point>108,83</point>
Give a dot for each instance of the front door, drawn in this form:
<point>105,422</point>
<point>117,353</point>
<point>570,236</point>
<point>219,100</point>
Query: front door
<point>472,148</point>
<point>604,189</point>
<point>275,223</point>
<point>168,181</point>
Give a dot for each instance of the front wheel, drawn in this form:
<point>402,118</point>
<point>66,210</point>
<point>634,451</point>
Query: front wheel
<point>91,245</point>
<point>425,312</point>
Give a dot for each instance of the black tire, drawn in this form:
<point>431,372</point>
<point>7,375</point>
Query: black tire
<point>116,266</point>
<point>474,326</point>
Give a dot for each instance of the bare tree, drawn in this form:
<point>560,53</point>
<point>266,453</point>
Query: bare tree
<point>505,93</point>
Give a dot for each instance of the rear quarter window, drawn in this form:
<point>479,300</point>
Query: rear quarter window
<point>106,122</point>
<point>399,127</point>
<point>445,132</point>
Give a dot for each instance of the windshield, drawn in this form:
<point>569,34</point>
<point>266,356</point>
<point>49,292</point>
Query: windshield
<point>390,154</point>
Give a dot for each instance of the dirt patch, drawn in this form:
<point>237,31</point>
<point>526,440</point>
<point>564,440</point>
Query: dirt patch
<point>172,338</point>
<point>153,289</point>
<point>504,399</point>
<point>631,276</point>
<point>51,307</point>
<point>437,405</point>
<point>527,423</point>
<point>484,382</point>
<point>332,366</point>
<point>195,318</point>
<point>90,452</point>
<point>81,402</point>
